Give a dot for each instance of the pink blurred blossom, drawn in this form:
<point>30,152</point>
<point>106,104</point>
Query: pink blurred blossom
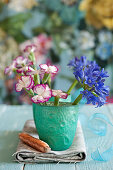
<point>40,44</point>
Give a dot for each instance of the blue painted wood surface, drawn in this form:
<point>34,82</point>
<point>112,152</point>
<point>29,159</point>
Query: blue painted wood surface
<point>12,119</point>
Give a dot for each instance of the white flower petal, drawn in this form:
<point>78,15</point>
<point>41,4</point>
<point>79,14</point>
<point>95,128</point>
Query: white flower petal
<point>27,81</point>
<point>63,95</point>
<point>44,66</point>
<point>56,92</point>
<point>44,93</point>
<point>38,99</point>
<point>52,69</point>
<point>39,89</point>
<point>19,60</point>
<point>47,94</point>
<point>18,87</point>
<point>59,94</point>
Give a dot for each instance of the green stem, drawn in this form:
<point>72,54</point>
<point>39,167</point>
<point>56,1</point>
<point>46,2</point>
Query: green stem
<point>49,81</point>
<point>56,101</point>
<point>30,92</point>
<point>36,79</point>
<point>94,94</point>
<point>45,78</point>
<point>72,86</point>
<point>32,57</point>
<point>77,100</point>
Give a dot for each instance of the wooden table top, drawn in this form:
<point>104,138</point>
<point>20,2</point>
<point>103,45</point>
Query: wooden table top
<point>12,119</point>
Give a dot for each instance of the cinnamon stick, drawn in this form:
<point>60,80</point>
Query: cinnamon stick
<point>35,143</point>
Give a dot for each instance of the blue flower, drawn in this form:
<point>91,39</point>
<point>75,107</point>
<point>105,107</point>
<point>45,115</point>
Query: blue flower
<point>90,81</point>
<point>103,73</point>
<point>78,65</point>
<point>85,40</point>
<point>105,36</point>
<point>91,77</point>
<point>78,62</point>
<point>72,62</point>
<point>89,96</point>
<point>101,90</point>
<point>104,50</point>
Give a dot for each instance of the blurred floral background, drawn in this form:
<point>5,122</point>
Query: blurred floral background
<point>63,29</point>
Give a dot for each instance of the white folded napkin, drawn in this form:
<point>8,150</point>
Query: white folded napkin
<point>76,152</point>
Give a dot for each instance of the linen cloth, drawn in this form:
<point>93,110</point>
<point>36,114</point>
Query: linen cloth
<point>76,152</point>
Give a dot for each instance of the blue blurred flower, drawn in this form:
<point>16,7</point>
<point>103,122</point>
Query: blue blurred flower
<point>91,77</point>
<point>104,50</point>
<point>85,40</point>
<point>105,36</point>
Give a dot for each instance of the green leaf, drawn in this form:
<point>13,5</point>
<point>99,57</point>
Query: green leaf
<point>13,25</point>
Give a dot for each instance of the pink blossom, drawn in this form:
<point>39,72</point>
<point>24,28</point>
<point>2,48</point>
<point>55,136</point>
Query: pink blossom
<point>9,70</point>
<point>43,44</point>
<point>42,72</point>
<point>25,82</point>
<point>22,61</point>
<point>44,41</point>
<point>43,93</point>
<point>59,93</point>
<point>22,64</point>
<point>30,48</point>
<point>51,69</point>
<point>25,70</point>
<point>19,64</point>
<point>32,72</point>
<point>38,54</point>
<point>40,45</point>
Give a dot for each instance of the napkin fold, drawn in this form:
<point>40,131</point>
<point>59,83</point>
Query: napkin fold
<point>76,152</point>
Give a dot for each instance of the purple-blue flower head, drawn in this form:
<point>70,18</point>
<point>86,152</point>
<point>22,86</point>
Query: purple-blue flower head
<point>92,78</point>
<point>78,62</point>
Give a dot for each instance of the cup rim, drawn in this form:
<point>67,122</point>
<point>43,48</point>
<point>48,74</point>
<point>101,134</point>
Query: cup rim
<point>48,106</point>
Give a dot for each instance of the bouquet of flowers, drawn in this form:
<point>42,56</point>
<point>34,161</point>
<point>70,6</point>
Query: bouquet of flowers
<point>56,121</point>
<point>37,82</point>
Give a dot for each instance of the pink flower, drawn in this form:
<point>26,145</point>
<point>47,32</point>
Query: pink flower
<point>43,93</point>
<point>44,41</point>
<point>39,45</point>
<point>25,70</point>
<point>30,48</point>
<point>25,82</point>
<point>59,93</point>
<point>42,72</point>
<point>43,44</point>
<point>21,61</point>
<point>51,69</point>
<point>32,72</point>
<point>9,70</point>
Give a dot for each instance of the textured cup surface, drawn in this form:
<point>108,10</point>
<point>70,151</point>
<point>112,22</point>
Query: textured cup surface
<point>62,100</point>
<point>56,125</point>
